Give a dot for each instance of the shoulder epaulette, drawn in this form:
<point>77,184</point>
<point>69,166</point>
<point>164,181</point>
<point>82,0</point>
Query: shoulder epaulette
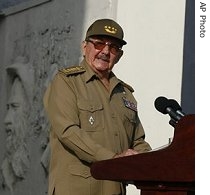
<point>127,86</point>
<point>72,70</point>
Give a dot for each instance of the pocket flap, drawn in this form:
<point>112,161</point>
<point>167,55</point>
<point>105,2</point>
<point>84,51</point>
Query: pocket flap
<point>80,170</point>
<point>89,105</point>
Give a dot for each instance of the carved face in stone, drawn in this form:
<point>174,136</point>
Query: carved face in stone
<point>15,120</point>
<point>17,158</point>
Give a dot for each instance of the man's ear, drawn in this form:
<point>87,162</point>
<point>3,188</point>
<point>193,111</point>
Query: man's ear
<point>120,54</point>
<point>83,47</point>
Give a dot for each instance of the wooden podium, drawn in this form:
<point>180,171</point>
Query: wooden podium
<point>167,171</point>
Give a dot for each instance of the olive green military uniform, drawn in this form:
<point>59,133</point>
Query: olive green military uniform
<point>89,124</point>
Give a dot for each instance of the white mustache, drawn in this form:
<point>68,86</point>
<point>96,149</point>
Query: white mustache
<point>103,57</point>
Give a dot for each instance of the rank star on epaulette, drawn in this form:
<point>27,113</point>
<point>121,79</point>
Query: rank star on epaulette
<point>129,104</point>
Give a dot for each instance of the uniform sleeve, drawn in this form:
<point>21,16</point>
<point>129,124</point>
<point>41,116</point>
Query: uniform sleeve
<point>139,143</point>
<point>61,106</point>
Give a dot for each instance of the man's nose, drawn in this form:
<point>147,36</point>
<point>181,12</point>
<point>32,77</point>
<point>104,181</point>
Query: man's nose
<point>8,117</point>
<point>106,49</point>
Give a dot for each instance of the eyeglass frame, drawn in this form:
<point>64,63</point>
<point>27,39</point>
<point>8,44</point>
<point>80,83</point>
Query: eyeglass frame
<point>103,43</point>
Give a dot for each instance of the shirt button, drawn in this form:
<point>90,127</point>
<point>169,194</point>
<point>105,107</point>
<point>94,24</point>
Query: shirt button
<point>85,173</point>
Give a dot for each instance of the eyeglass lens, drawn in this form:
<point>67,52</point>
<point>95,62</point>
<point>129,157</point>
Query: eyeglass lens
<point>100,46</point>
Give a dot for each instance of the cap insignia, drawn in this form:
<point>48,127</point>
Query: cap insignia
<point>110,29</point>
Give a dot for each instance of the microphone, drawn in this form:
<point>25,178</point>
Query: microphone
<point>176,107</point>
<point>169,106</point>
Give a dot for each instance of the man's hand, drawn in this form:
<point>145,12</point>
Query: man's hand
<point>128,152</point>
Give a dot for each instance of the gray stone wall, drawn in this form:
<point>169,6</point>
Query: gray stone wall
<point>37,37</point>
<point>8,3</point>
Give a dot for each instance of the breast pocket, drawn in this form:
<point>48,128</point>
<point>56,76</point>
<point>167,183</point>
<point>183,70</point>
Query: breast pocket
<point>91,115</point>
<point>129,122</point>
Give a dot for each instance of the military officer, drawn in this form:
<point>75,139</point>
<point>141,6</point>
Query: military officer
<point>93,116</point>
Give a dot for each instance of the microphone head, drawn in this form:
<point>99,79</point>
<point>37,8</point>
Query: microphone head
<point>161,103</point>
<point>174,104</point>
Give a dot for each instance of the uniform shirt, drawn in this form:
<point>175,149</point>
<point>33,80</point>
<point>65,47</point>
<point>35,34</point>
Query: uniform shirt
<point>89,122</point>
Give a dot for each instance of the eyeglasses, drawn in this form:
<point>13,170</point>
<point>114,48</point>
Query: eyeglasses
<point>100,46</point>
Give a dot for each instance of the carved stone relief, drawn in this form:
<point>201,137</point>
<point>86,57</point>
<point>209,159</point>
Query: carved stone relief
<point>37,56</point>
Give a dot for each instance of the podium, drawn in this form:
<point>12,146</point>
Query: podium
<point>167,171</point>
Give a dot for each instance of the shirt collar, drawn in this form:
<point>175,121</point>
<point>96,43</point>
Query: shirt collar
<point>90,74</point>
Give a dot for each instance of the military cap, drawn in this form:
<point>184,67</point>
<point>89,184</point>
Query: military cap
<point>106,27</point>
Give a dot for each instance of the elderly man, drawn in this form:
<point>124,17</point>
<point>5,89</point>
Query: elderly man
<point>93,116</point>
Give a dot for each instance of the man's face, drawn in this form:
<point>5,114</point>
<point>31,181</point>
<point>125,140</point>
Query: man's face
<point>15,120</point>
<point>102,53</point>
